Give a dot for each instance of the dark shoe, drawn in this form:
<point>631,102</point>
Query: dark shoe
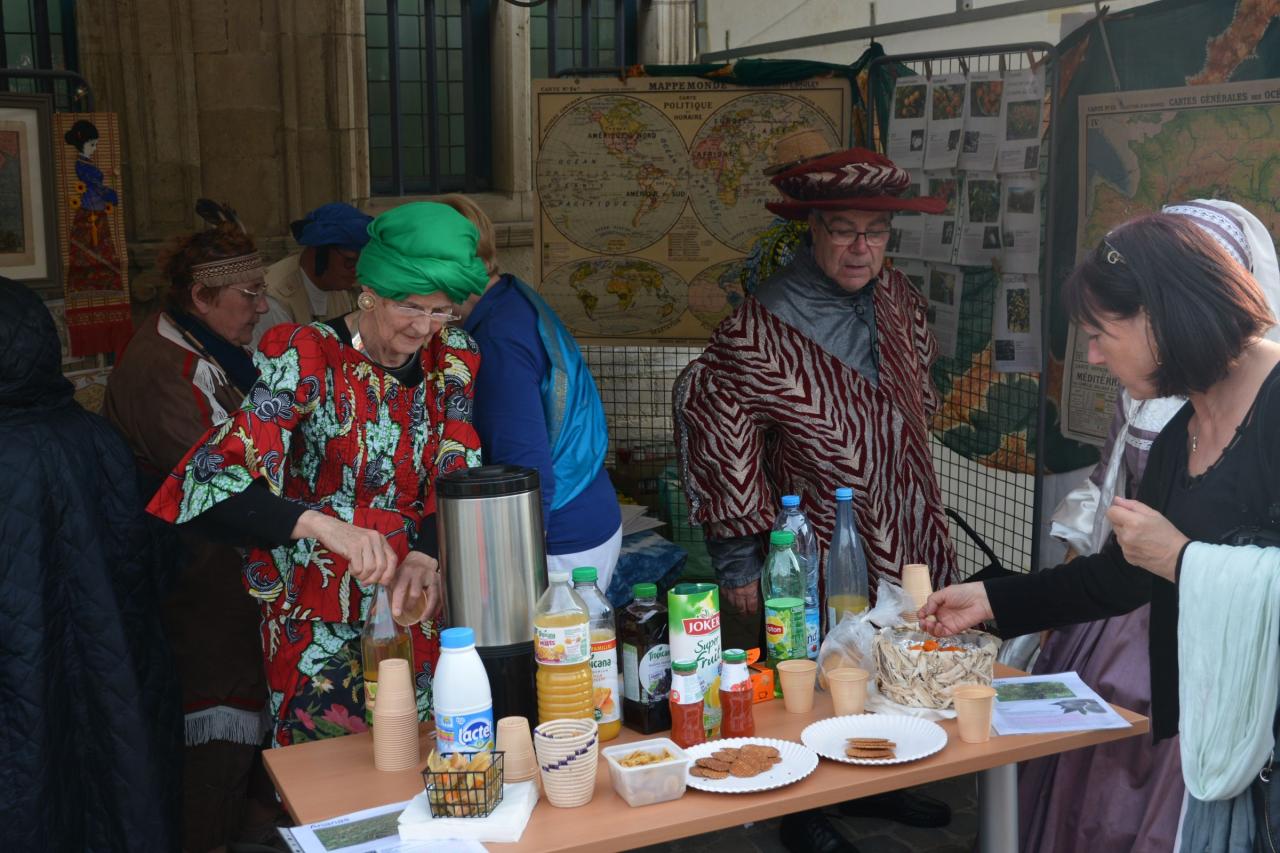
<point>904,807</point>
<point>810,832</point>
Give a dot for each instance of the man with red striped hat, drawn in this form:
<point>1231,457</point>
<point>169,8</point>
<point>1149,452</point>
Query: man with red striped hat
<point>820,379</point>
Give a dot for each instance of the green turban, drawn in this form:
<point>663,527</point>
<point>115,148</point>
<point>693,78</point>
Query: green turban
<point>420,248</point>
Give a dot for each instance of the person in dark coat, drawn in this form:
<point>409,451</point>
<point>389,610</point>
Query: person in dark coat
<point>90,725</point>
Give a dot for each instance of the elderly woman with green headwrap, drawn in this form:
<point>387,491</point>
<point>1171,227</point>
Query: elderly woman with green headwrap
<point>326,471</point>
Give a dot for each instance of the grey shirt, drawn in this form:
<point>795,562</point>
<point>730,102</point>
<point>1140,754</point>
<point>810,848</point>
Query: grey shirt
<point>841,323</point>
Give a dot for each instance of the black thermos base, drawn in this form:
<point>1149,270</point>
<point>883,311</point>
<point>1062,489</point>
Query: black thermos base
<point>511,673</point>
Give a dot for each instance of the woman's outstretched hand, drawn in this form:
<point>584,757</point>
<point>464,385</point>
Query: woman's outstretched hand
<point>369,556</point>
<point>953,609</point>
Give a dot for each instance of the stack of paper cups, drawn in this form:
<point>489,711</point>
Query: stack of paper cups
<point>395,718</point>
<point>567,753</point>
<point>916,584</point>
<point>516,743</point>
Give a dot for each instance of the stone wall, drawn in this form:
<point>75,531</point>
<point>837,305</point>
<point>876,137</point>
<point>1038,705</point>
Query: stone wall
<point>260,103</point>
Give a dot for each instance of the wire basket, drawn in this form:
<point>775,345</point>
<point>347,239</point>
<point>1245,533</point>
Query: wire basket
<point>464,793</point>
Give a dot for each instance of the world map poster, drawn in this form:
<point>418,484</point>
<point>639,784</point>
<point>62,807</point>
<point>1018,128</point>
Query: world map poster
<point>1142,150</point>
<point>651,191</point>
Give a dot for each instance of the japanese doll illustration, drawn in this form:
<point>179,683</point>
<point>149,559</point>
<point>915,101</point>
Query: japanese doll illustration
<point>92,260</point>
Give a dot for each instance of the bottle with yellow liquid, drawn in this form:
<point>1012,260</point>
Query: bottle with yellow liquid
<point>846,575</point>
<point>381,638</point>
<point>782,585</point>
<point>606,690</point>
<point>562,649</point>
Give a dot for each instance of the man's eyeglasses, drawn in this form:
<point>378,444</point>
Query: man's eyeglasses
<point>849,236</point>
<point>438,315</point>
<point>254,293</point>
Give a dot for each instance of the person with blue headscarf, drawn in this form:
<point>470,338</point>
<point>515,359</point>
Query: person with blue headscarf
<point>319,282</point>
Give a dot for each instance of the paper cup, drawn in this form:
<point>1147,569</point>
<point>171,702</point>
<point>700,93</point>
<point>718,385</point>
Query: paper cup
<point>916,583</point>
<point>395,688</point>
<point>413,613</point>
<point>848,686</point>
<point>797,677</point>
<point>515,740</point>
<point>974,704</point>
<point>395,742</point>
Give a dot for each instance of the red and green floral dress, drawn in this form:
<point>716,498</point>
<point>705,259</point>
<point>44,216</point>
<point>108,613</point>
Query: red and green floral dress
<point>329,429</point>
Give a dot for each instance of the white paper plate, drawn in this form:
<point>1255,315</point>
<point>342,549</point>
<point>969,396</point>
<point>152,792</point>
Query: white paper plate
<point>915,738</point>
<point>797,762</point>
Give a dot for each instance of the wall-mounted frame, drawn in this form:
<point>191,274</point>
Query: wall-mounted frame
<point>28,208</point>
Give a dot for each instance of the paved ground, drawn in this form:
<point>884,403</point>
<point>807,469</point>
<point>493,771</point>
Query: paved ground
<point>869,835</point>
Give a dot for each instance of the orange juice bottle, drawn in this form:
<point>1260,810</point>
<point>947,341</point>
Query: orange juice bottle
<point>606,685</point>
<point>562,648</point>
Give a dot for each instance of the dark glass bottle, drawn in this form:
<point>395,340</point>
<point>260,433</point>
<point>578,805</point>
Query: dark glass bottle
<point>646,661</point>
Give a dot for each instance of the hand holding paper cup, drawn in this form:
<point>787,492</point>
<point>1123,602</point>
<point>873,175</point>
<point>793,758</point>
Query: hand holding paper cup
<point>916,583</point>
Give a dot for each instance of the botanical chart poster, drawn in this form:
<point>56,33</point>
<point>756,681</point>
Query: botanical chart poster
<point>650,193</point>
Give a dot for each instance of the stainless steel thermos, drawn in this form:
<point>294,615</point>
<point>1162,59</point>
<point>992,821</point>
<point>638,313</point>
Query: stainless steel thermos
<point>493,553</point>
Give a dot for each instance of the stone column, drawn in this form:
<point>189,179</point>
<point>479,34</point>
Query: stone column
<point>511,115</point>
<point>667,32</point>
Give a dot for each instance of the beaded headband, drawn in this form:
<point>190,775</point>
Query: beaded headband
<point>237,270</point>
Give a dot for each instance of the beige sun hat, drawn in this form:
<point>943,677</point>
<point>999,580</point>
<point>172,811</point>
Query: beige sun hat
<point>796,148</point>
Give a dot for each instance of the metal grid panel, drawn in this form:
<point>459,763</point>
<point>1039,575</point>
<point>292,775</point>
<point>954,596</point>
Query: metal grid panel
<point>635,386</point>
<point>999,505</point>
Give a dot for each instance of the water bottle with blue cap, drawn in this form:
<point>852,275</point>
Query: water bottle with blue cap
<point>793,519</point>
<point>846,575</point>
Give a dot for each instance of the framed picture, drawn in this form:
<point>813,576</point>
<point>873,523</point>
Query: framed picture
<point>28,210</point>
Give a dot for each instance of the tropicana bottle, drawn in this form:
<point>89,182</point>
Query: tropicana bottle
<point>606,696</point>
<point>562,648</point>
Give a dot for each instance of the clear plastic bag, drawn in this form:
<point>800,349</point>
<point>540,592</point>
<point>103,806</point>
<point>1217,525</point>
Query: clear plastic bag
<point>851,642</point>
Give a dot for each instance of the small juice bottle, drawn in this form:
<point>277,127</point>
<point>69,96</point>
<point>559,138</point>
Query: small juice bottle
<point>562,648</point>
<point>736,698</point>
<point>686,704</point>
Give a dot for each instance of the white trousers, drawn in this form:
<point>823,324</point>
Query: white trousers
<point>603,557</point>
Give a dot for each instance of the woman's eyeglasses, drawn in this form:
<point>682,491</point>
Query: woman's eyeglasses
<point>438,315</point>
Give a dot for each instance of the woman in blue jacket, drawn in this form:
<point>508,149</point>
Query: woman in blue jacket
<point>536,405</point>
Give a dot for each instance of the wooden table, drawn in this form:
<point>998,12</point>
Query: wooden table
<point>324,779</point>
